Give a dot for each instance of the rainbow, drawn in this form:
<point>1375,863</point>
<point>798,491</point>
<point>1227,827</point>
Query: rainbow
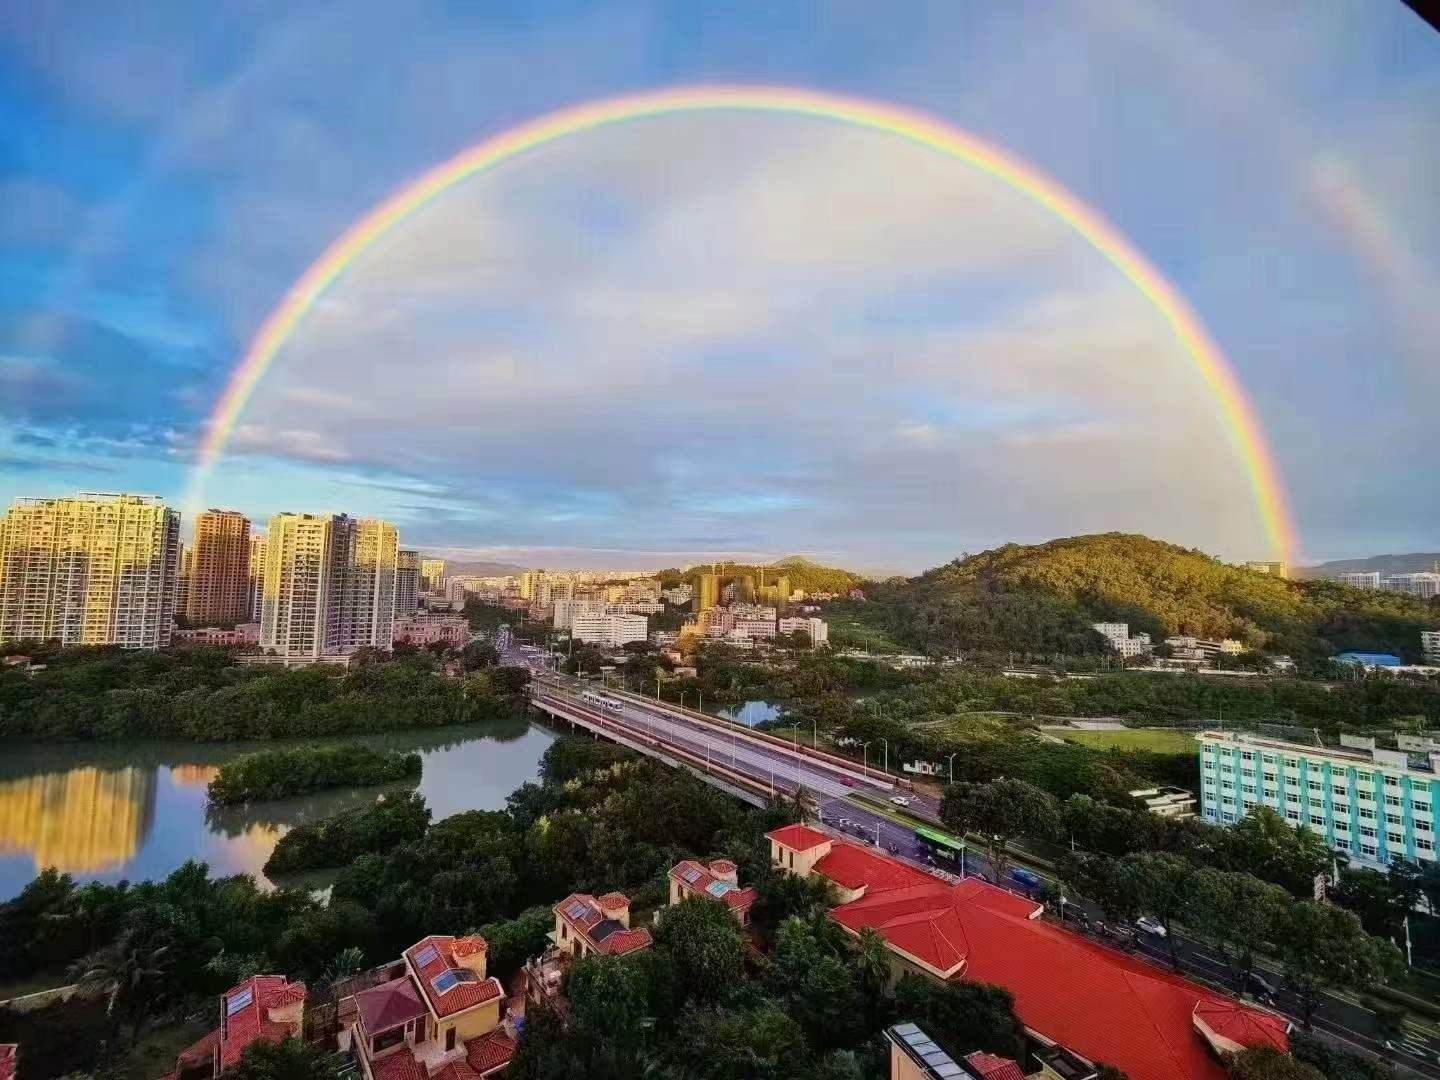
<point>1244,432</point>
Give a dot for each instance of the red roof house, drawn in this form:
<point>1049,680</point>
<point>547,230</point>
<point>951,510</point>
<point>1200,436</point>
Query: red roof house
<point>264,1008</point>
<point>9,1052</point>
<point>439,1020</point>
<point>585,925</point>
<point>718,882</point>
<point>1098,1003</point>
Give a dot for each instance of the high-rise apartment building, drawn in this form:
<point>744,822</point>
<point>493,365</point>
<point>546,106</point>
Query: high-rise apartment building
<point>407,583</point>
<point>219,569</point>
<point>182,581</point>
<point>707,592</point>
<point>531,582</point>
<point>1274,569</point>
<point>1425,584</point>
<point>1372,803</point>
<point>95,569</point>
<point>329,585</point>
<point>256,586</point>
<point>432,575</point>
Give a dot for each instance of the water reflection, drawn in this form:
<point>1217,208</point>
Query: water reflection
<point>139,810</point>
<point>79,821</point>
<point>753,713</point>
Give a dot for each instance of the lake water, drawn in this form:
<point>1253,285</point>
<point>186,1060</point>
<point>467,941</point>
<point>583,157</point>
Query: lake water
<point>137,810</point>
<point>753,713</point>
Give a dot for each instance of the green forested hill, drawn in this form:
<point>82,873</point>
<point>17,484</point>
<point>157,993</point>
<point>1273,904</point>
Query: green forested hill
<point>803,574</point>
<point>1042,598</point>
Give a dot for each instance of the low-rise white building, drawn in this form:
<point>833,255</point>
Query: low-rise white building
<point>567,610</point>
<point>1430,645</point>
<point>1424,585</point>
<point>1360,579</point>
<point>818,630</point>
<point>1121,640</point>
<point>611,630</point>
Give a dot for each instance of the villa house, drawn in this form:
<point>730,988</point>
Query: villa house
<point>1150,1024</point>
<point>263,1008</point>
<point>585,925</point>
<point>716,882</point>
<point>439,1020</point>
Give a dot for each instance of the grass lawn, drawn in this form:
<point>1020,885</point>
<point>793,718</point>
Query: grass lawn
<point>1156,740</point>
<point>154,1055</point>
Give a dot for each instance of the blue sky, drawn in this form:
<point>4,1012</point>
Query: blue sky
<point>729,335</point>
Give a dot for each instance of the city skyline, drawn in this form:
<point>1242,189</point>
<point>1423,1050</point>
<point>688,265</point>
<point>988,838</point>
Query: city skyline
<point>731,335</point>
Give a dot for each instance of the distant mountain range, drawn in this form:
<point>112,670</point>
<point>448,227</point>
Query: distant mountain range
<point>481,569</point>
<point>1385,564</point>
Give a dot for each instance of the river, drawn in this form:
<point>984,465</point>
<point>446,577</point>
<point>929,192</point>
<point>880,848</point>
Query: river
<point>137,810</point>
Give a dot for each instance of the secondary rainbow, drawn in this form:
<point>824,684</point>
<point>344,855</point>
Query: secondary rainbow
<point>1245,434</point>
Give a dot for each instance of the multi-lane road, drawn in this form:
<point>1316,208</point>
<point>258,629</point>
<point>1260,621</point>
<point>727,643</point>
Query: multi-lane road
<point>836,784</point>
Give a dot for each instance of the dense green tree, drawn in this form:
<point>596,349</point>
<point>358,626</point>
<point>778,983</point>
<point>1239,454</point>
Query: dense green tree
<point>703,939</point>
<point>1237,914</point>
<point>1266,845</point>
<point>812,974</point>
<point>762,1043</point>
<point>288,1059</point>
<point>1000,813</point>
<point>962,1016</point>
<point>134,970</point>
<point>1163,885</point>
<point>396,819</point>
<point>1334,1063</point>
<point>514,941</point>
<point>1323,946</point>
<point>1267,1063</point>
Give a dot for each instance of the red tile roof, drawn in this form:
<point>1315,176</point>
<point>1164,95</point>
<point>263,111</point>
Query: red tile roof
<point>625,941</point>
<point>703,877</point>
<point>484,1056</point>
<point>798,837</point>
<point>202,1049</point>
<point>389,1005</point>
<point>992,1067</point>
<point>461,996</point>
<point>604,935</point>
<point>490,1051</point>
<point>1093,1000</point>
<point>252,1022</point>
<point>1234,1023</point>
<point>7,1061</point>
<point>852,867</point>
<point>614,900</point>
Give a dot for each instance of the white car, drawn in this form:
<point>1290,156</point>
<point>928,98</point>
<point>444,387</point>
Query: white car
<point>900,800</point>
<point>1150,925</point>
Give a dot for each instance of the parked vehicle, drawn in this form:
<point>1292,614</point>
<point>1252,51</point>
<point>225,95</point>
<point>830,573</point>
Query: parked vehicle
<point>1028,878</point>
<point>847,781</point>
<point>1150,925</point>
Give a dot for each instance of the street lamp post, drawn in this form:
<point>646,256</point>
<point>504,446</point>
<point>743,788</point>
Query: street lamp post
<point>887,754</point>
<point>962,860</point>
<point>951,759</point>
<point>865,759</point>
<point>815,736</point>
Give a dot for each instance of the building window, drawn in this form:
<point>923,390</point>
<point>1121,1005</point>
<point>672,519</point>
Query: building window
<point>1340,789</point>
<point>1316,785</point>
<point>1368,850</point>
<point>1317,819</point>
<point>1422,844</point>
<point>1292,798</point>
<point>1249,788</point>
<point>1422,826</point>
<point>1422,807</point>
<point>1398,839</point>
<point>1392,781</point>
<point>1291,762</point>
<point>1227,769</point>
<point>1392,800</point>
<point>1367,832</point>
<point>1247,755</point>
<point>1292,815</point>
<point>1367,814</point>
<point>1394,819</point>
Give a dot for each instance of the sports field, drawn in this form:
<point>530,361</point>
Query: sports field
<point>1156,740</point>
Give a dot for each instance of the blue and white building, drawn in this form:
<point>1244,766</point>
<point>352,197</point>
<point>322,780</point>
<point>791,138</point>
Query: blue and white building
<point>1372,803</point>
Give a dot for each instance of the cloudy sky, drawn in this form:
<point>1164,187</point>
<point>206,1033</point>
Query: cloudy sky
<point>730,334</point>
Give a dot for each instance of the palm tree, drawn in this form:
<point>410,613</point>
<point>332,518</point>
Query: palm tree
<point>133,972</point>
<point>872,962</point>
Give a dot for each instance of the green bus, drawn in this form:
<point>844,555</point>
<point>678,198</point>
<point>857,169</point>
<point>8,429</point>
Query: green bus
<point>940,846</point>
